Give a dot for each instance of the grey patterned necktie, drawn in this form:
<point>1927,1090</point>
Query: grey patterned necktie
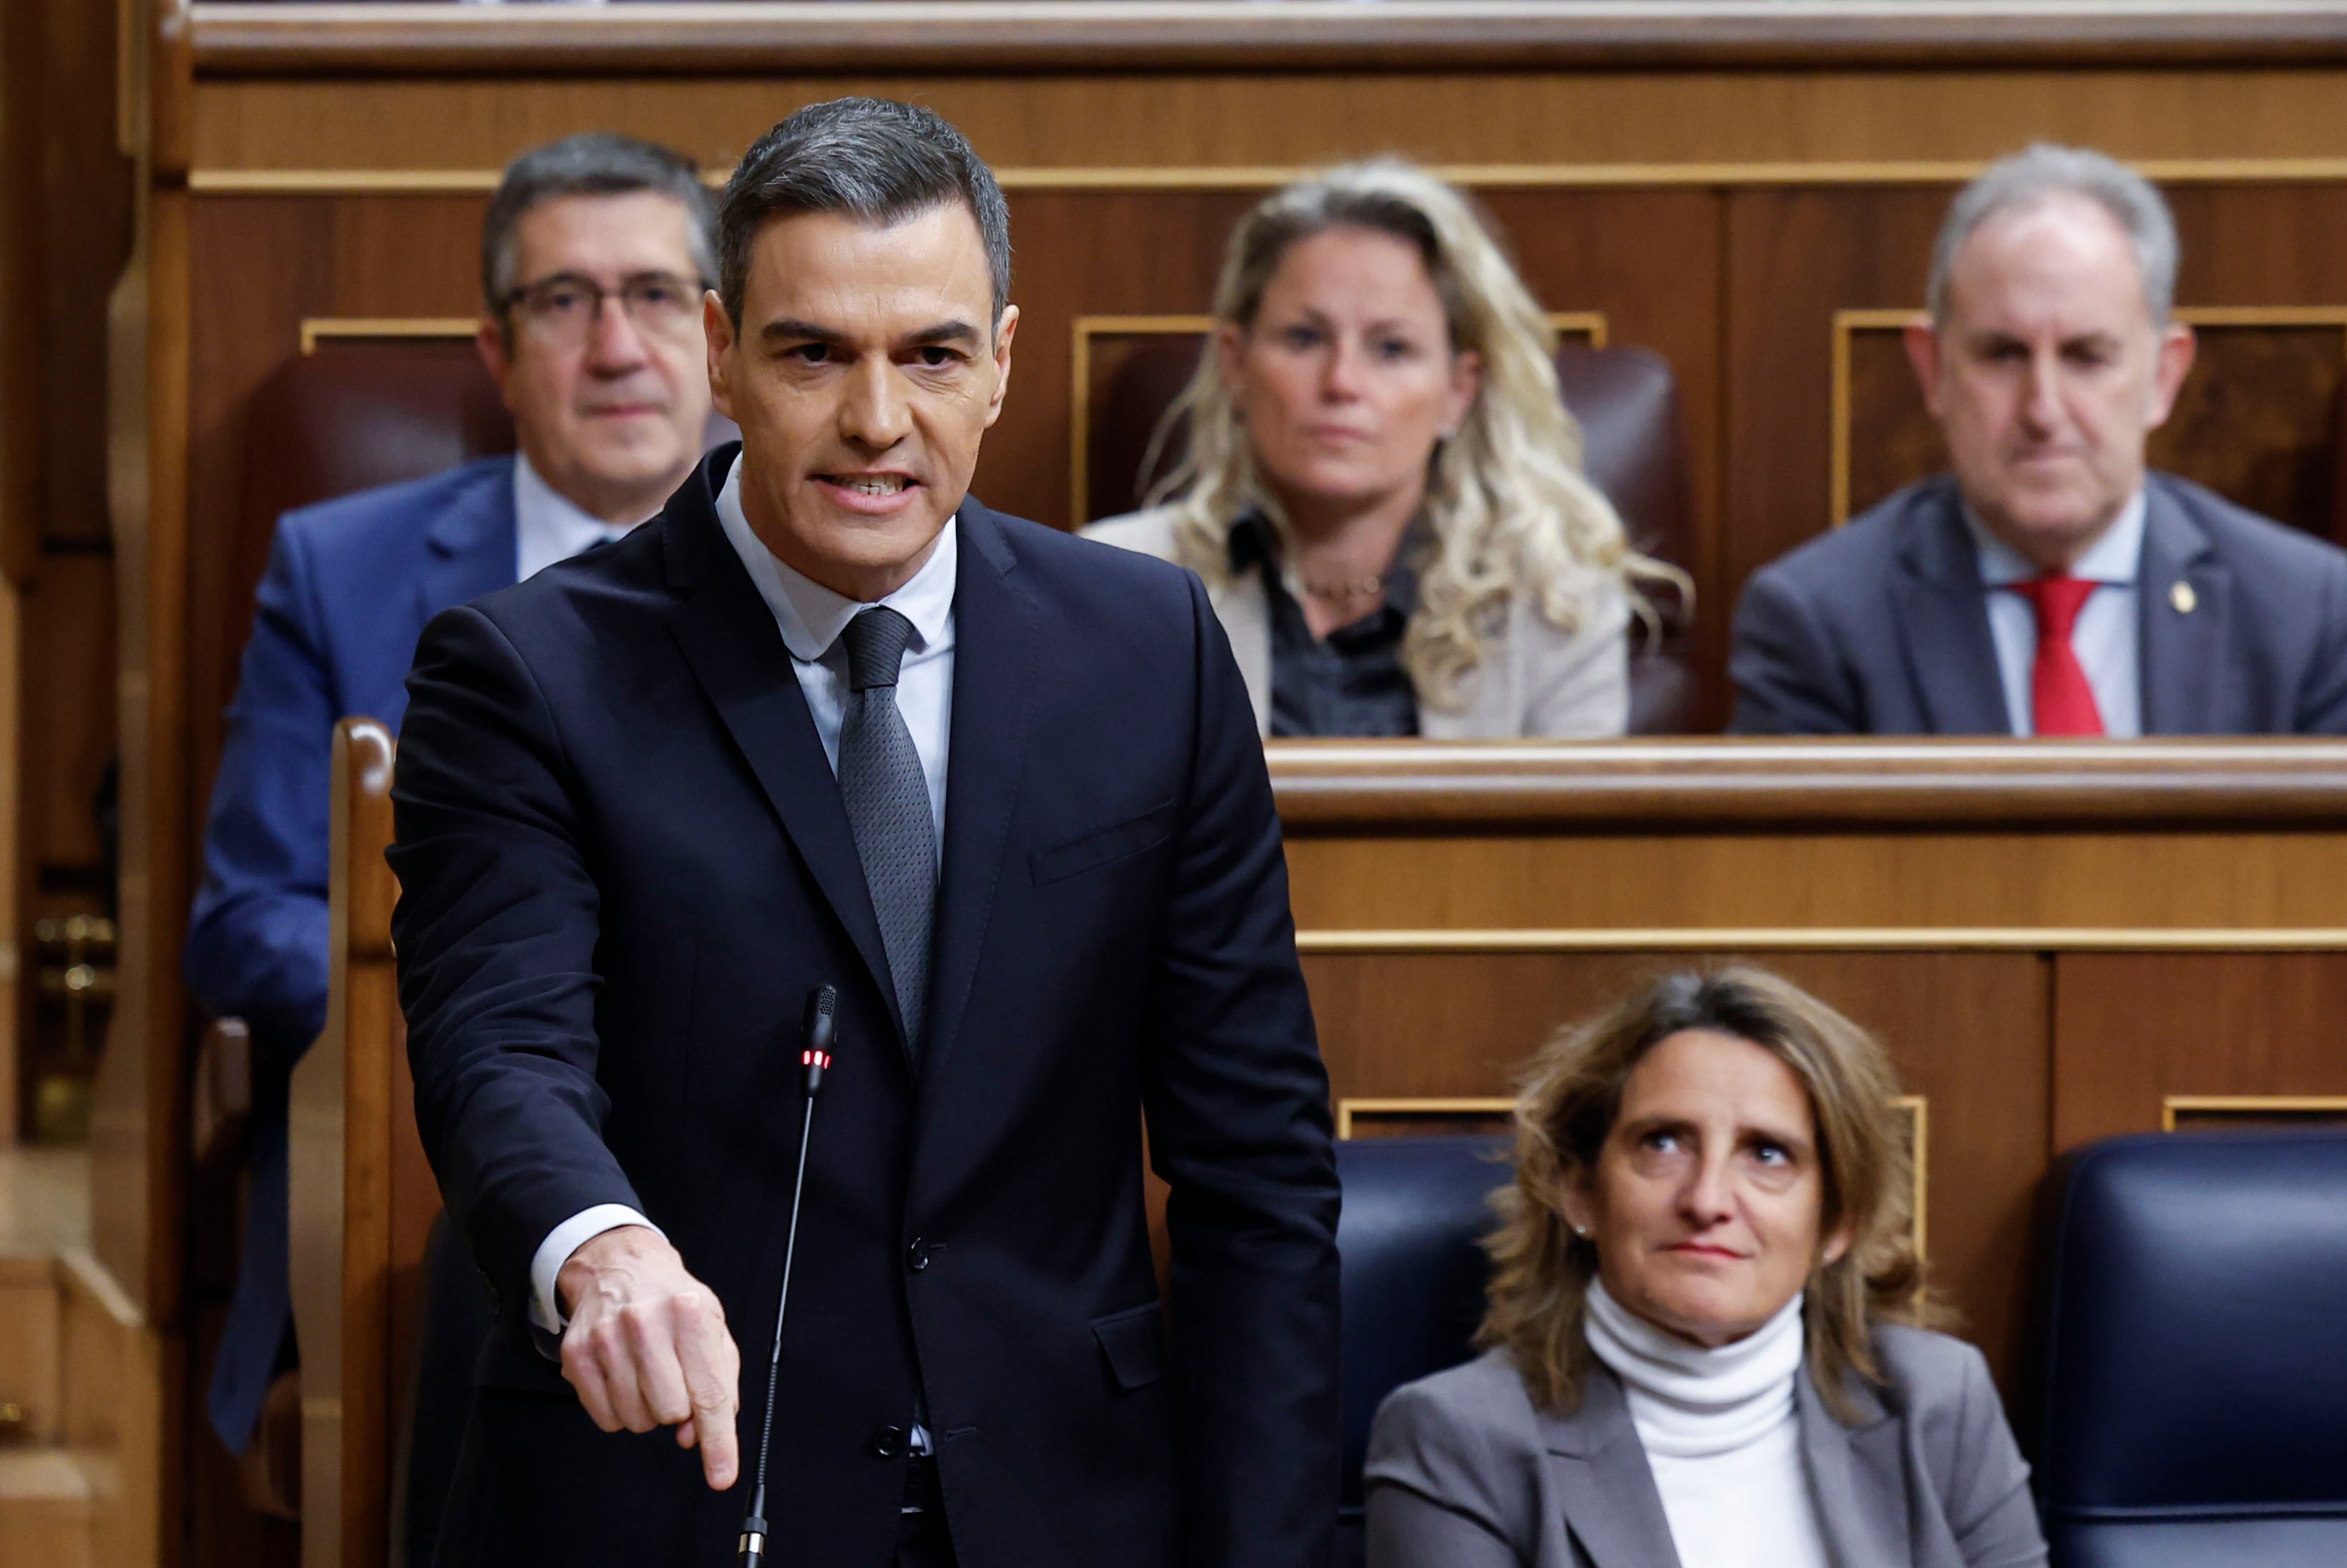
<point>888,797</point>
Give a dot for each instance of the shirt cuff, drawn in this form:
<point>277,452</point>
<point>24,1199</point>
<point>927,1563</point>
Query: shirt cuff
<point>545,1305</point>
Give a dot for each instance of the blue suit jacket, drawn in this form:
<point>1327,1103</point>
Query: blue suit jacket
<point>1880,627</point>
<point>351,583</point>
<point>624,863</point>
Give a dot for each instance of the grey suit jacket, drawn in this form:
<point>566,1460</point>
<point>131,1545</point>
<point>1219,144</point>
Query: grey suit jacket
<point>1464,1473</point>
<point>1534,680</point>
<point>1880,627</point>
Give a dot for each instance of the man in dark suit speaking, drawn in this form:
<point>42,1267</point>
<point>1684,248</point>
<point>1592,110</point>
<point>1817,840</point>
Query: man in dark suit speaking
<point>828,721</point>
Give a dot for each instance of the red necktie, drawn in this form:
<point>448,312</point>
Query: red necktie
<point>2061,701</point>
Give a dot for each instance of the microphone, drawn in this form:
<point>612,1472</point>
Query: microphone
<point>822,1010</point>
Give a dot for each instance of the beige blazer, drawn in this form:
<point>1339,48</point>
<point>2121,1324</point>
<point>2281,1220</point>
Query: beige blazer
<point>1464,1473</point>
<point>1534,680</point>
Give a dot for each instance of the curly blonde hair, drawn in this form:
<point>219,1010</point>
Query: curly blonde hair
<point>1571,1096</point>
<point>1511,509</point>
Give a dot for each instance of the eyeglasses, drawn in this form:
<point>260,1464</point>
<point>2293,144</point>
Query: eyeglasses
<point>564,308</point>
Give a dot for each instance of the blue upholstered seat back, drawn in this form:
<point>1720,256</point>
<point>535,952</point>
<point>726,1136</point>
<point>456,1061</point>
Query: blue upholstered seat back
<point>1413,1274</point>
<point>2194,1397</point>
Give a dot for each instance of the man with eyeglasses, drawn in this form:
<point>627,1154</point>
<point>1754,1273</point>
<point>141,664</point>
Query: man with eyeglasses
<point>595,253</point>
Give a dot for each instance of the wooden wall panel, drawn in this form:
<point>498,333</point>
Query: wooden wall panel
<point>1240,120</point>
<point>2135,1028</point>
<point>259,265</point>
<point>1795,257</point>
<point>1968,1031</point>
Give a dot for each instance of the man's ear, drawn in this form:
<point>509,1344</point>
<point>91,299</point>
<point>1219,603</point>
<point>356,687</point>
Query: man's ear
<point>2177,348</point>
<point>1924,351</point>
<point>496,353</point>
<point>1004,331</point>
<point>718,327</point>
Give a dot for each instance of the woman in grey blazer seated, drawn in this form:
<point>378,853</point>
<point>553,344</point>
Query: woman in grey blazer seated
<point>1382,488</point>
<point>1703,1338</point>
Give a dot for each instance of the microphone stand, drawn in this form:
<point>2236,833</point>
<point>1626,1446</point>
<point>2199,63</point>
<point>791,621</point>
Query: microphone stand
<point>823,1005</point>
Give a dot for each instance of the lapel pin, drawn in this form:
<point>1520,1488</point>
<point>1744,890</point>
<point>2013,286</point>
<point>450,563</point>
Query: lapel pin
<point>2185,600</point>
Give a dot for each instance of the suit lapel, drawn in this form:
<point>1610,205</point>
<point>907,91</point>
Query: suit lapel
<point>469,547</point>
<point>993,688</point>
<point>1856,1479</point>
<point>1603,1481</point>
<point>730,640</point>
<point>2183,597</point>
<point>1943,623</point>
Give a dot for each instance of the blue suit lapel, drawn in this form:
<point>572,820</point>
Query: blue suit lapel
<point>1943,623</point>
<point>729,640</point>
<point>469,547</point>
<point>2181,650</point>
<point>993,686</point>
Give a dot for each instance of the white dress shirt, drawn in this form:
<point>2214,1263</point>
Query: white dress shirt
<point>2105,638</point>
<point>549,526</point>
<point>811,617</point>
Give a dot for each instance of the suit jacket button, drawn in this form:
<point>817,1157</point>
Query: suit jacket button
<point>888,1441</point>
<point>916,1256</point>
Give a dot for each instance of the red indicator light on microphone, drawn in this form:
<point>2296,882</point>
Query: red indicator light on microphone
<point>813,1058</point>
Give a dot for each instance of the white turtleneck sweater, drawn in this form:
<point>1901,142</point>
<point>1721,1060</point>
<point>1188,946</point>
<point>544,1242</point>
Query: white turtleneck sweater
<point>1720,1435</point>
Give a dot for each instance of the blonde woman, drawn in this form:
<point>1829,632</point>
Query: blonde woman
<point>1382,489</point>
<point>1704,1341</point>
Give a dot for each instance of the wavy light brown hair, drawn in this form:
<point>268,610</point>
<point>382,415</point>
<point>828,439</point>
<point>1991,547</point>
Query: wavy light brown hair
<point>1511,509</point>
<point>1571,1096</point>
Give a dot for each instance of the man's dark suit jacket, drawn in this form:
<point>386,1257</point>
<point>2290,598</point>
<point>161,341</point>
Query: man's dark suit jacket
<point>349,585</point>
<point>1881,627</point>
<point>625,864</point>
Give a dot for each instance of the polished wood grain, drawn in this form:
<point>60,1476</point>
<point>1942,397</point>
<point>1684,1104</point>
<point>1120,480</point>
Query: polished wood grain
<point>1600,127</point>
<point>1835,782</point>
<point>2135,1029</point>
<point>362,1196</point>
<point>1095,34</point>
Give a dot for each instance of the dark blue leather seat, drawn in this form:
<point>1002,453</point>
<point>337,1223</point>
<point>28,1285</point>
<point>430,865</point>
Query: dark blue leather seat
<point>2195,1380</point>
<point>1415,1209</point>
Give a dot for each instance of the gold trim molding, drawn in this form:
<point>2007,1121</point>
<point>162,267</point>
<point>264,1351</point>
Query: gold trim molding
<point>1847,323</point>
<point>2173,1105</point>
<point>1352,1106</point>
<point>1590,324</point>
<point>317,329</point>
<point>1821,939</point>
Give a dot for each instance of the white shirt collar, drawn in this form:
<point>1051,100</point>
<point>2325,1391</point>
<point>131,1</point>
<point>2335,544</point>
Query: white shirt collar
<point>811,616</point>
<point>2113,558</point>
<point>549,526</point>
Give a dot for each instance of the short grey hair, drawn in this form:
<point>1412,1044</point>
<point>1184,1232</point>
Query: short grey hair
<point>593,163</point>
<point>872,160</point>
<point>2045,171</point>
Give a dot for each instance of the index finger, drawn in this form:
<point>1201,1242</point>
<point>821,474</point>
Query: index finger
<point>712,1371</point>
